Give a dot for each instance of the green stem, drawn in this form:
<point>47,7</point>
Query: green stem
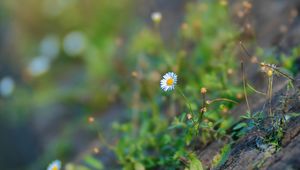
<point>202,110</point>
<point>270,89</point>
<point>186,100</point>
<point>222,99</point>
<point>256,91</point>
<point>244,83</point>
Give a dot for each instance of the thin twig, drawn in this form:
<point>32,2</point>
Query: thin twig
<point>184,160</point>
<point>270,90</point>
<point>252,88</point>
<point>243,76</point>
<point>245,50</point>
<point>222,99</point>
<point>244,88</point>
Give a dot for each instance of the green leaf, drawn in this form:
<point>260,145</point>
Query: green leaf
<point>183,116</point>
<point>93,162</point>
<point>240,126</point>
<point>139,166</point>
<point>225,151</point>
<point>195,164</point>
<point>246,116</point>
<point>294,114</point>
<point>71,166</point>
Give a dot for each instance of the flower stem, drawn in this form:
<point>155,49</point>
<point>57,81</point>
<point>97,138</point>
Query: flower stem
<point>202,108</point>
<point>186,100</point>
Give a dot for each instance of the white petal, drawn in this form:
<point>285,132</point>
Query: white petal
<point>163,83</point>
<point>56,163</point>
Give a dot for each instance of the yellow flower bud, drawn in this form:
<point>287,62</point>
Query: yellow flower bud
<point>270,73</point>
<point>203,90</point>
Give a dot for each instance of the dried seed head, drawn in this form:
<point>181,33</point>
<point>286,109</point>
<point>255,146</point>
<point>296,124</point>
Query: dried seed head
<point>189,116</point>
<point>203,90</point>
<point>230,71</point>
<point>239,95</point>
<point>96,150</point>
<point>203,109</point>
<point>91,119</point>
<point>240,14</point>
<point>247,5</point>
<point>225,110</point>
<point>184,26</point>
<point>248,26</point>
<point>263,67</point>
<point>254,59</point>
<point>134,74</point>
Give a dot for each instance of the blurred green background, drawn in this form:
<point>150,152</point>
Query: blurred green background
<point>62,61</point>
<point>59,64</point>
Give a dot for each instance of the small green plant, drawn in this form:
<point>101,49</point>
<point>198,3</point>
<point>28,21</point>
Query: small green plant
<point>272,124</point>
<point>152,139</point>
<point>161,132</point>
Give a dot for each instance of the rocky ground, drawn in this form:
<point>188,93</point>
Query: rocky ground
<point>272,26</point>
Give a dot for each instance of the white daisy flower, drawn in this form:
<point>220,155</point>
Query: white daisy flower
<point>156,17</point>
<point>169,81</point>
<point>55,165</point>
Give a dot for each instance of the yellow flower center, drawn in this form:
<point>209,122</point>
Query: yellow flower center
<point>170,82</point>
<point>55,168</point>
